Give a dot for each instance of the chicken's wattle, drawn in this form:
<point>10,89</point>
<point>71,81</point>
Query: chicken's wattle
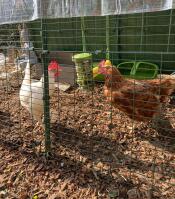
<point>57,74</point>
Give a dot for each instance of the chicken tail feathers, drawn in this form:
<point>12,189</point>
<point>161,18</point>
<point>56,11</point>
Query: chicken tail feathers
<point>167,87</point>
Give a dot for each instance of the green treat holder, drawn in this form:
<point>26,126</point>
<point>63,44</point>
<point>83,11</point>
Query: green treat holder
<point>144,70</point>
<point>83,63</point>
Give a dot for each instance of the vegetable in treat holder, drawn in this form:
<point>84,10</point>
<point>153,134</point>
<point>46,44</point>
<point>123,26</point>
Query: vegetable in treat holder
<point>83,63</point>
<point>96,75</point>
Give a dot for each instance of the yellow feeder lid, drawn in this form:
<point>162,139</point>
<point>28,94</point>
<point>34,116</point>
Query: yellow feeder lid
<point>108,63</point>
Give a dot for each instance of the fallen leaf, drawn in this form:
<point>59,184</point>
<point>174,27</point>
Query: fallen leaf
<point>1,179</point>
<point>23,195</point>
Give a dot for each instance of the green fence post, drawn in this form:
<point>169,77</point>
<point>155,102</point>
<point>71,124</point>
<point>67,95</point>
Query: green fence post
<point>46,87</point>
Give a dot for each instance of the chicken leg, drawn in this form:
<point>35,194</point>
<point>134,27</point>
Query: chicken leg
<point>39,125</point>
<point>43,124</point>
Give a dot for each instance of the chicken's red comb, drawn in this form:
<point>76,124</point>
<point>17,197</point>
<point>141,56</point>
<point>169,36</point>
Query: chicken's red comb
<point>54,66</point>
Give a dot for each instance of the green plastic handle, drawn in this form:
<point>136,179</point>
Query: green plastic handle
<point>134,69</point>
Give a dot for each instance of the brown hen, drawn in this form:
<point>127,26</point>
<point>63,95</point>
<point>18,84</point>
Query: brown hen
<point>140,100</point>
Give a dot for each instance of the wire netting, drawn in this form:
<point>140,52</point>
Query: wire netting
<point>99,147</point>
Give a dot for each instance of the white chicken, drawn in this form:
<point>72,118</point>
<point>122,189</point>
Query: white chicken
<point>32,92</point>
<point>3,60</point>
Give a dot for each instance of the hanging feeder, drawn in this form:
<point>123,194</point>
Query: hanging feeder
<point>83,64</point>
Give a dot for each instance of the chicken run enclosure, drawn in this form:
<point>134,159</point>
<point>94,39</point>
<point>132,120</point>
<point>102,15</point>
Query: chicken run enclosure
<point>63,133</point>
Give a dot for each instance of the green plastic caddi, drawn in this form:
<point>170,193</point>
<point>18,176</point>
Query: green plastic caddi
<point>138,70</point>
<point>144,70</point>
<point>126,68</point>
